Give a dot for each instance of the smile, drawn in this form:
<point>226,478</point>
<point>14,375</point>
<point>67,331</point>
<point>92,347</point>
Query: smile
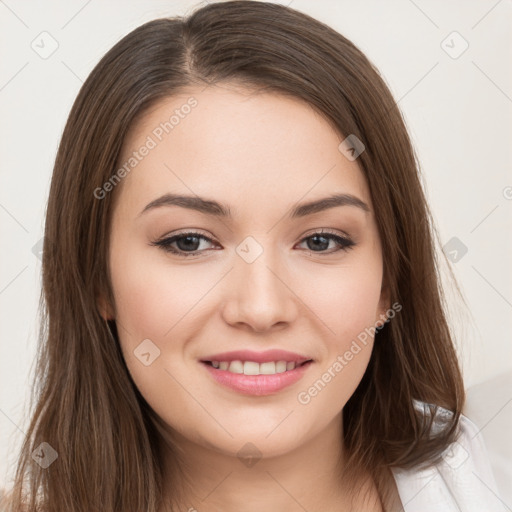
<point>254,368</point>
<point>257,383</point>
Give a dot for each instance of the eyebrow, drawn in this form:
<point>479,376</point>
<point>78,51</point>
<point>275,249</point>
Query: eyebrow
<point>214,208</point>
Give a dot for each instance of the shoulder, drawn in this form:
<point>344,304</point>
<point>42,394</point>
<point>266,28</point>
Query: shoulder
<point>463,481</point>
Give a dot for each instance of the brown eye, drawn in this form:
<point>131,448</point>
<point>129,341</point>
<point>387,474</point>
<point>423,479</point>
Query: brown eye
<point>319,242</point>
<point>187,244</point>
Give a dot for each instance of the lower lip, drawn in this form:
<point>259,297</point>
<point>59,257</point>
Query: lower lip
<point>257,385</point>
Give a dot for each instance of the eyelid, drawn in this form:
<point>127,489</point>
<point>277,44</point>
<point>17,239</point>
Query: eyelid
<point>313,231</point>
<point>327,231</point>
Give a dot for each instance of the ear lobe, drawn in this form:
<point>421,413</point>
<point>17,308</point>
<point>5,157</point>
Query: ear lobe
<point>104,308</point>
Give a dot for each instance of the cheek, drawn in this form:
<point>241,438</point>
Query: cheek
<point>151,296</point>
<point>346,306</point>
<point>154,302</point>
<point>345,300</point>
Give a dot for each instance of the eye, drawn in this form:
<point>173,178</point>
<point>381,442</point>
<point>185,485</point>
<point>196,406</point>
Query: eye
<point>189,243</point>
<point>321,239</point>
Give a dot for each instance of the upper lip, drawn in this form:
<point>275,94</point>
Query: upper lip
<point>258,357</point>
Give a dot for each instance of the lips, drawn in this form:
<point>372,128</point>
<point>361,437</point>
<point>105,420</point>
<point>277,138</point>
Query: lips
<point>257,373</point>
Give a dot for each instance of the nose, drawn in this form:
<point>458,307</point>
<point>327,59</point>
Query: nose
<point>260,295</point>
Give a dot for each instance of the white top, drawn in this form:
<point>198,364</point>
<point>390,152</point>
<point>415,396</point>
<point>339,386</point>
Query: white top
<point>462,482</point>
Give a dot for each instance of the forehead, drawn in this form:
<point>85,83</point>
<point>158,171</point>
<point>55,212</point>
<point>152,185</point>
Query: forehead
<point>240,146</point>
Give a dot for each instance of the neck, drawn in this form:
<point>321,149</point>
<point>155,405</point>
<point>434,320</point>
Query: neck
<point>306,478</point>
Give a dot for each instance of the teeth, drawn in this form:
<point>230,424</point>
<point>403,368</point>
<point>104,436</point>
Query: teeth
<point>253,368</point>
<point>280,366</point>
<point>266,368</point>
<point>236,367</point>
<point>249,367</point>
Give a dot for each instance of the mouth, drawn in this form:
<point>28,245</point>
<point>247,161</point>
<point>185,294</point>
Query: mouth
<point>257,378</point>
<point>254,368</point>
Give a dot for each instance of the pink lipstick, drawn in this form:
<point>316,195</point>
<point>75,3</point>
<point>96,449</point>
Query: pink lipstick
<point>257,373</point>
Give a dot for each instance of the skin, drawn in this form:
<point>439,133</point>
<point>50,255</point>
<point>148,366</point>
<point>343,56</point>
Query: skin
<point>261,154</point>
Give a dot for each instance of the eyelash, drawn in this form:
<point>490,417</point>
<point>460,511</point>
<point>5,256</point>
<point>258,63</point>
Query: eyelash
<point>165,243</point>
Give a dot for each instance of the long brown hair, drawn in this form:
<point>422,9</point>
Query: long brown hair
<point>85,404</point>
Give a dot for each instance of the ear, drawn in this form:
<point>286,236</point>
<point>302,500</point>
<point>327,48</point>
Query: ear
<point>104,307</point>
<point>383,306</point>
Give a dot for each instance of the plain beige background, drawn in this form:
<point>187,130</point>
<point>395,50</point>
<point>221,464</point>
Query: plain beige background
<point>447,66</point>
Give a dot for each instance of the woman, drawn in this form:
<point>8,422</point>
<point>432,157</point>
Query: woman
<point>241,293</point>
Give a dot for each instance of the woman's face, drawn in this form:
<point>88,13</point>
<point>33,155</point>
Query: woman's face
<point>258,278</point>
